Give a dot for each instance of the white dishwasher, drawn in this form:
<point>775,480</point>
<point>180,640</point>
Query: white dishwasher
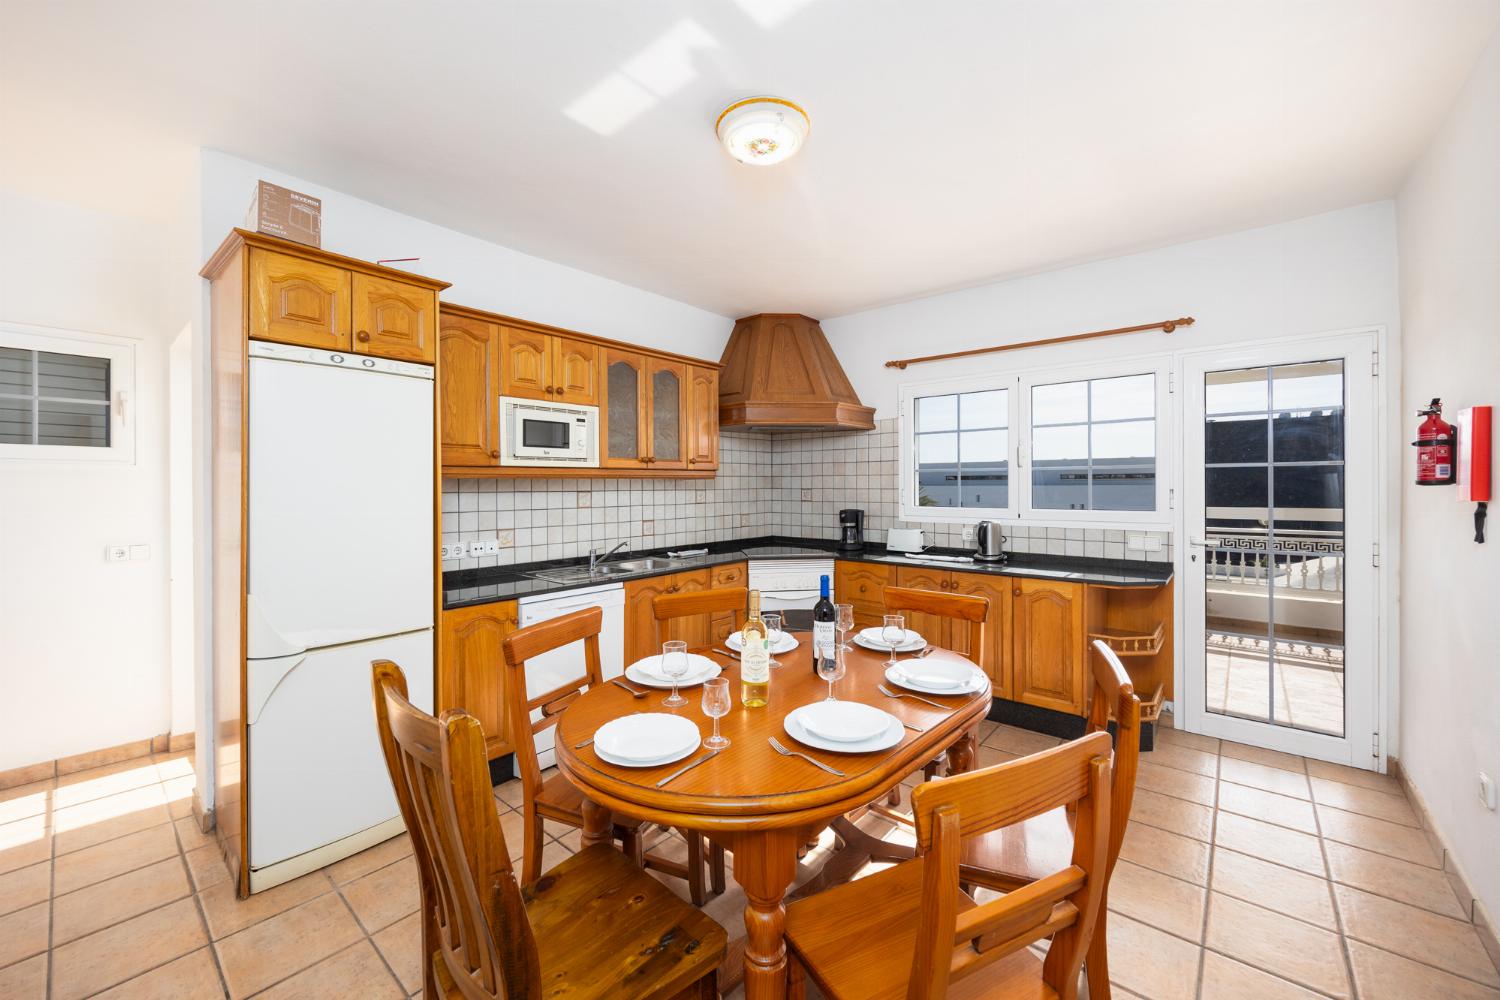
<point>548,671</point>
<point>788,583</point>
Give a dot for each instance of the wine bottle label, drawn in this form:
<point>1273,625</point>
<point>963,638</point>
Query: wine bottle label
<point>755,662</point>
<point>822,637</point>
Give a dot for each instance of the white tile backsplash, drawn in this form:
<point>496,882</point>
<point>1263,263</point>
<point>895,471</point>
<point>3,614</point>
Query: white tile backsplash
<point>768,484</point>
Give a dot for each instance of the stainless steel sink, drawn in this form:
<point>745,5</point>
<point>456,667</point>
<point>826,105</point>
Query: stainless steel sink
<point>605,571</point>
<point>642,565</point>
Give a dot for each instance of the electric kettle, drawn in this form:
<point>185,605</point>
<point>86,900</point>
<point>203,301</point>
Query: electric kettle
<point>989,542</point>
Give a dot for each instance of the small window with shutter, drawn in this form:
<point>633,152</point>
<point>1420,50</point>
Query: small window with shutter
<point>64,396</point>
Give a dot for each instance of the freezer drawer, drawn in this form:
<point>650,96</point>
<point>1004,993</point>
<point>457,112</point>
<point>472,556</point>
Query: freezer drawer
<point>317,774</point>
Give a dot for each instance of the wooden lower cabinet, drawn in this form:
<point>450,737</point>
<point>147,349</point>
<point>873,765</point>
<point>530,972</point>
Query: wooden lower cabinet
<point>935,630</point>
<point>640,620</point>
<point>1048,664</point>
<point>863,586</point>
<point>471,675</point>
<point>722,578</point>
<point>995,658</point>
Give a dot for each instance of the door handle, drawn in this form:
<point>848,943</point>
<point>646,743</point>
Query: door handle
<point>1200,542</point>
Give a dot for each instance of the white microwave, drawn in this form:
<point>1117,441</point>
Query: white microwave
<point>546,435</point>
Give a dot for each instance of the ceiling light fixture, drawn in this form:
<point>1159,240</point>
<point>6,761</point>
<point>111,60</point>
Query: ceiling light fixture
<point>762,130</point>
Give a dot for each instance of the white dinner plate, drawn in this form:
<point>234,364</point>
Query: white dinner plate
<point>794,728</point>
<point>785,644</point>
<point>873,634</point>
<point>942,671</point>
<point>880,647</point>
<point>898,677</point>
<point>843,721</point>
<point>646,739</point>
<point>648,673</point>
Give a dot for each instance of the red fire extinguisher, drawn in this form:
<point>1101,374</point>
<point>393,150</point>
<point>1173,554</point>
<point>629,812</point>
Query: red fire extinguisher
<point>1434,446</point>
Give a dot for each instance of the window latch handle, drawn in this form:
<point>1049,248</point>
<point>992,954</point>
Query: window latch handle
<point>121,400</point>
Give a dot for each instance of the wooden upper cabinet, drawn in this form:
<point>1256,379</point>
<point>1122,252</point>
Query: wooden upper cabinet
<point>575,371</point>
<point>298,301</point>
<point>667,405</point>
<point>623,419</point>
<point>1048,651</point>
<point>469,390</point>
<point>525,363</point>
<point>393,319</point>
<point>703,418</point>
<point>995,657</point>
<point>471,675</point>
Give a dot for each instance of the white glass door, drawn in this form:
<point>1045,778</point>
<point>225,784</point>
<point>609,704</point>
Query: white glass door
<point>1279,590</point>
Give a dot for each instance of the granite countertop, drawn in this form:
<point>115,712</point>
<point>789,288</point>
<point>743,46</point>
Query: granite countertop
<point>462,588</point>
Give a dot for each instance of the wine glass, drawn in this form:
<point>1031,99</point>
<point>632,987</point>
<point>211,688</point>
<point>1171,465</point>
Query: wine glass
<point>843,621</point>
<point>893,634</point>
<point>674,663</point>
<point>830,666</point>
<point>716,706</point>
<point>773,634</point>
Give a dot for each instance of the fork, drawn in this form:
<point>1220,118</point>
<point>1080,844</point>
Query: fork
<point>915,697</point>
<point>816,763</point>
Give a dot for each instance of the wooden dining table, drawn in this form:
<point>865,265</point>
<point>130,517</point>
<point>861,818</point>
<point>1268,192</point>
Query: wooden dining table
<point>750,799</point>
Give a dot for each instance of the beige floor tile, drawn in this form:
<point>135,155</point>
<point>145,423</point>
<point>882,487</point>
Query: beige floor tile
<point>1226,979</point>
<point>192,977</point>
<point>1158,900</point>
<point>227,915</point>
<point>357,971</point>
<point>179,793</point>
<point>1377,835</point>
<point>370,859</point>
<point>1270,779</point>
<point>1179,784</point>
<point>25,980</point>
<point>114,857</point>
<point>99,820</point>
<point>1386,876</point>
<point>1285,890</point>
<point>1172,814</point>
<point>289,942</point>
<point>1270,941</point>
<point>512,793</point>
<point>206,866</point>
<point>1381,975</point>
<point>1183,759</point>
<point>96,783</point>
<point>513,826</point>
<point>1260,755</point>
<point>173,765</point>
<point>381,898</point>
<point>1169,853</point>
<point>1019,741</point>
<point>1150,962</point>
<point>1416,934</point>
<point>1270,843</point>
<point>25,887</point>
<point>189,835</point>
<point>1268,807</point>
<point>1193,741</point>
<point>990,756</point>
<point>401,944</point>
<point>120,898</point>
<point>1352,798</point>
<point>25,842</point>
<point>25,801</point>
<point>126,950</point>
<point>24,933</point>
<point>1373,780</point>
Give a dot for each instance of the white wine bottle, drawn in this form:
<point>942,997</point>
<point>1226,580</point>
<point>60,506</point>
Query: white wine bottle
<point>755,658</point>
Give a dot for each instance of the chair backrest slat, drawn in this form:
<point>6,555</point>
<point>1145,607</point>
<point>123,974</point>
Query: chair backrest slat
<point>1115,701</point>
<point>969,610</point>
<point>701,602</point>
<point>534,640</point>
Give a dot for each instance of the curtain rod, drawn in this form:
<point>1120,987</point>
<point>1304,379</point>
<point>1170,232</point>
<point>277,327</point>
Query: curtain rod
<point>1166,326</point>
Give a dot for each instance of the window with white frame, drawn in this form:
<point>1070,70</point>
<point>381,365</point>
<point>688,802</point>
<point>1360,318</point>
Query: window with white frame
<point>1087,444</point>
<point>63,395</point>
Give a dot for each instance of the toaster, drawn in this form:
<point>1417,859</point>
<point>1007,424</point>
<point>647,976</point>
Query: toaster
<point>905,540</point>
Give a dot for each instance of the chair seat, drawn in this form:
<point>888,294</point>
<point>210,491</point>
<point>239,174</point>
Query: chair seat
<point>604,928</point>
<point>559,799</point>
<point>1014,855</point>
<point>858,940</point>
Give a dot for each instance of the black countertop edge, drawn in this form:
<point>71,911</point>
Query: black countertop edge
<point>467,587</point>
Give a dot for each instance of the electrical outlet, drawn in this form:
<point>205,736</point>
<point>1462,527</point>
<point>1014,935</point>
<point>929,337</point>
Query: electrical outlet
<point>116,553</point>
<point>807,494</point>
<point>491,546</point>
<point>585,498</point>
<point>1487,792</point>
<point>648,527</point>
<point>505,538</point>
<point>474,550</point>
<point>1138,541</point>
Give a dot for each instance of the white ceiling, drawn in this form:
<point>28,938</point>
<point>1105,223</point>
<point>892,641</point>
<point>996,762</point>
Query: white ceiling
<point>952,143</point>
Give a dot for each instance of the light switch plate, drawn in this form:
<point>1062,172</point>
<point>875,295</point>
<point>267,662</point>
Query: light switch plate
<point>116,553</point>
<point>1139,541</point>
<point>140,552</point>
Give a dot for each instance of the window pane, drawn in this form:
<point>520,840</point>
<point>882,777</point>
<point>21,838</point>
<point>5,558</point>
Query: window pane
<point>1239,493</point>
<point>1240,391</point>
<point>1235,439</point>
<point>938,483</point>
<point>15,421</point>
<point>84,425</point>
<point>1301,486</point>
<point>1126,398</point>
<point>937,449</point>
<point>1125,484</point>
<point>1131,439</point>
<point>982,448</point>
<point>937,413</point>
<point>1054,444</point>
<point>1309,436</point>
<point>1319,385</point>
<point>15,371</point>
<point>984,409</point>
<point>1060,487</point>
<point>72,376</point>
<point>1063,403</point>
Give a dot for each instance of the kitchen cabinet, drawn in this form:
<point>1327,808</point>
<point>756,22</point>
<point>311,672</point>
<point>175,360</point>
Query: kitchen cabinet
<point>393,319</point>
<point>623,417</point>
<point>995,658</point>
<point>667,413</point>
<point>469,366</point>
<point>575,371</point>
<point>1048,658</point>
<point>862,585</point>
<point>538,365</point>
<point>703,418</point>
<point>723,578</point>
<point>934,629</point>
<point>646,413</point>
<point>471,674</point>
<point>640,619</point>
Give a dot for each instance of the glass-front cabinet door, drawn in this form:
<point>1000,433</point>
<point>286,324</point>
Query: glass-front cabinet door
<point>668,409</point>
<point>623,417</point>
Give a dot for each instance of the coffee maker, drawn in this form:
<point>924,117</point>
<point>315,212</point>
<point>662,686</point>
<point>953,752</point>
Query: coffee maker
<point>851,530</point>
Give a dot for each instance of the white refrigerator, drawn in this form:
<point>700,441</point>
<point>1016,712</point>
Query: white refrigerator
<point>341,572</point>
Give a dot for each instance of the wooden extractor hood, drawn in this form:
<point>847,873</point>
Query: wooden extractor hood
<point>780,374</point>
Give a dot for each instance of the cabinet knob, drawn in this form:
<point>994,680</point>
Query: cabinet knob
<point>1016,592</point>
<point>363,336</point>
<point>692,461</point>
<point>494,453</point>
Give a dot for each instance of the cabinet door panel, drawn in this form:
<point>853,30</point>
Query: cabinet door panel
<point>703,418</point>
<point>1048,652</point>
<point>695,628</point>
<point>296,301</point>
<point>640,620</point>
<point>995,657</point>
<point>623,417</point>
<point>468,391</point>
<point>394,320</point>
<point>721,578</point>
<point>934,629</point>
<point>575,371</point>
<point>525,363</point>
<point>472,673</point>
<point>667,393</point>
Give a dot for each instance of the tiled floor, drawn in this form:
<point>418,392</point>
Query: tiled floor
<point>1245,874</point>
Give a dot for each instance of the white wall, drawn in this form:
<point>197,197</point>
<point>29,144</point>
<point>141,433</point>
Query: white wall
<point>1449,213</point>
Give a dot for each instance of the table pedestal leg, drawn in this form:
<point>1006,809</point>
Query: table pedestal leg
<point>765,862</point>
<point>598,823</point>
<point>963,752</point>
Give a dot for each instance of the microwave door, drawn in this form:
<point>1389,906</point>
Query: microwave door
<point>543,435</point>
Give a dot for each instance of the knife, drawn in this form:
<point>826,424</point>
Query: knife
<point>684,770</point>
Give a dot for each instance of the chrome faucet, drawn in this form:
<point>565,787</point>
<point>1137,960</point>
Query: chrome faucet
<point>596,560</point>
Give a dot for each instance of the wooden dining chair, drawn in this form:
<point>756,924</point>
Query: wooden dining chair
<point>1009,858</point>
<point>702,602</point>
<point>910,931</point>
<point>594,926</point>
<point>556,798</point>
